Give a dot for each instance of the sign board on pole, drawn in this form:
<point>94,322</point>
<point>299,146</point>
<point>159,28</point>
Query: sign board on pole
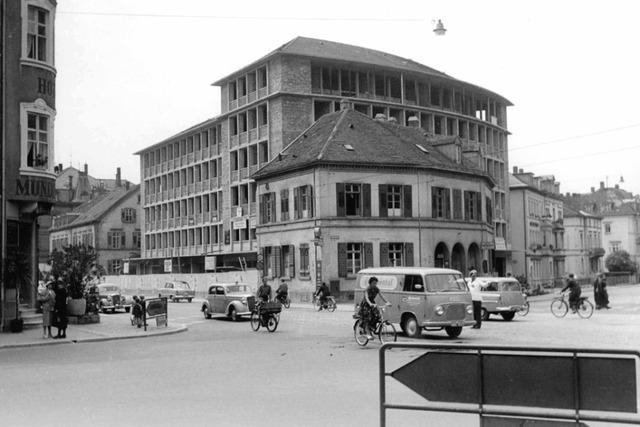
<point>167,266</point>
<point>210,262</point>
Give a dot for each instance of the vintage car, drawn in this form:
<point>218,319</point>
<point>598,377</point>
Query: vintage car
<point>501,295</point>
<point>177,290</point>
<point>230,299</point>
<point>110,298</point>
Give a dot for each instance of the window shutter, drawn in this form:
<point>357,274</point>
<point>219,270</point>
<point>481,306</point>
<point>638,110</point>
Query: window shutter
<point>368,255</point>
<point>277,254</point>
<point>408,254</point>
<point>342,260</point>
<point>407,201</point>
<point>311,204</point>
<point>479,204</point>
<point>263,217</point>
<point>296,203</point>
<point>292,261</point>
<point>384,254</point>
<point>340,211</point>
<point>366,199</point>
<point>123,240</point>
<point>272,200</point>
<point>457,204</point>
<point>265,262</point>
<point>382,193</point>
<point>434,209</point>
<point>447,203</point>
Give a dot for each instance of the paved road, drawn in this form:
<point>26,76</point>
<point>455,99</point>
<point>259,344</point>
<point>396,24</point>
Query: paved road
<point>309,372</point>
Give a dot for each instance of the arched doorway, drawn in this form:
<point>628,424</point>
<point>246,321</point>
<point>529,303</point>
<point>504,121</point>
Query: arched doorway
<point>474,256</point>
<point>441,256</point>
<point>458,259</point>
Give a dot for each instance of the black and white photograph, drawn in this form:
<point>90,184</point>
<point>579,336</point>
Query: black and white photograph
<point>337,213</point>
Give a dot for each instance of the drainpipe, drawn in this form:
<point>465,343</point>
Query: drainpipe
<point>3,213</point>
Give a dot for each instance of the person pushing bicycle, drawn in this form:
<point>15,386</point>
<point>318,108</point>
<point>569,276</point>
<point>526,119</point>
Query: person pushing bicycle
<point>574,292</point>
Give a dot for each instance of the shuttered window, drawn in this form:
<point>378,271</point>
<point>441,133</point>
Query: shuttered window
<point>457,204</point>
<point>353,199</point>
<point>441,203</point>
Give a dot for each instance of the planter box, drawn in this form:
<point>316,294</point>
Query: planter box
<point>84,319</point>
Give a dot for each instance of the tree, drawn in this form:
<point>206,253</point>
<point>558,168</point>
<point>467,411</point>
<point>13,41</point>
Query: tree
<point>71,265</point>
<point>620,261</point>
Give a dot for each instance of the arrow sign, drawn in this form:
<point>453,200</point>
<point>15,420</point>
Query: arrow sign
<point>545,381</point>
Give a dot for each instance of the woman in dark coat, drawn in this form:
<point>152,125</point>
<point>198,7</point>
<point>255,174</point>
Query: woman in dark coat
<point>60,309</point>
<point>600,293</point>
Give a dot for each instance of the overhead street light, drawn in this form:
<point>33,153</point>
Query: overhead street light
<point>439,30</point>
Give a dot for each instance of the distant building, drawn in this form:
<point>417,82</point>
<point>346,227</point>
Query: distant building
<point>583,243</point>
<point>28,113</point>
<point>537,230</point>
<point>110,223</point>
<point>199,200</point>
<point>353,192</point>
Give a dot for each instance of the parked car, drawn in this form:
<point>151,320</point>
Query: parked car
<point>176,291</point>
<point>501,295</point>
<point>110,297</point>
<point>231,299</point>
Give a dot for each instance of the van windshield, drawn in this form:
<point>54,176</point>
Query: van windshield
<point>445,283</point>
<point>511,286</point>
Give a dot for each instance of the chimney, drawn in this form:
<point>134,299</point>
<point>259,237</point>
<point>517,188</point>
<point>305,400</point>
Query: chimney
<point>86,169</point>
<point>126,185</point>
<point>520,170</point>
<point>602,185</point>
<point>515,169</point>
<point>345,104</point>
<point>413,122</point>
<point>118,180</point>
<point>60,167</point>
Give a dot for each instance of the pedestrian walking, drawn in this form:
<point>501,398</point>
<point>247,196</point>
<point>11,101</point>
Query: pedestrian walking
<point>47,299</point>
<point>60,310</point>
<point>136,312</point>
<point>476,298</point>
<point>600,294</point>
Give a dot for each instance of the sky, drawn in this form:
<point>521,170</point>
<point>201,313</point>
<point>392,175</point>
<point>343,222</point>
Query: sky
<point>131,74</point>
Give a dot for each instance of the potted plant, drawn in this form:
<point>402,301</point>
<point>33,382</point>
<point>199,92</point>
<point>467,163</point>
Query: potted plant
<point>72,264</point>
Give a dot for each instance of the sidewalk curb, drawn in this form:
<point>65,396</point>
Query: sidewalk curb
<point>181,328</point>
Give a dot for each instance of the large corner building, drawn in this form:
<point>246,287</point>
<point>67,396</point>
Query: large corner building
<point>199,199</point>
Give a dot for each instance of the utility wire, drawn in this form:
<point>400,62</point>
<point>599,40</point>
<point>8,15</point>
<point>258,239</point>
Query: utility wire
<point>239,18</point>
<point>635,147</point>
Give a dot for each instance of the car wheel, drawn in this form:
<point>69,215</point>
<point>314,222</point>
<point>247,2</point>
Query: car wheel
<point>484,314</point>
<point>233,314</point>
<point>104,310</point>
<point>509,315</point>
<point>127,309</point>
<point>205,311</point>
<point>453,331</point>
<point>113,310</point>
<point>411,327</point>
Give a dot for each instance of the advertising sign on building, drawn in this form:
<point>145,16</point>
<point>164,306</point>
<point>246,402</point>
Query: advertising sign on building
<point>210,263</point>
<point>239,223</point>
<point>167,266</point>
<point>125,267</point>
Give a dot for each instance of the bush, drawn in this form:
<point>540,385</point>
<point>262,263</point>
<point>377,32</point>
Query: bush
<point>72,264</point>
<point>620,261</point>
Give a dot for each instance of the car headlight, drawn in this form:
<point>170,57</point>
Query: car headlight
<point>470,309</point>
<point>439,310</point>
<point>243,300</point>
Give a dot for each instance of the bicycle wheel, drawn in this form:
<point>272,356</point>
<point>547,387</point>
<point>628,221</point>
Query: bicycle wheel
<point>359,333</point>
<point>525,309</point>
<point>585,309</point>
<point>387,333</point>
<point>331,304</point>
<point>559,307</point>
<point>287,303</point>
<point>272,323</point>
<point>255,321</point>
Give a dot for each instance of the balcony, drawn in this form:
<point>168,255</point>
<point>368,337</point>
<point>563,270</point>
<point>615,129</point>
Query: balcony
<point>596,252</point>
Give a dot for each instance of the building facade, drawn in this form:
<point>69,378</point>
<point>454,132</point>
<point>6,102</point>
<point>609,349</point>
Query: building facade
<point>621,230</point>
<point>199,198</point>
<point>537,237</point>
<point>352,192</point>
<point>109,223</point>
<point>583,243</point>
<point>28,114</point>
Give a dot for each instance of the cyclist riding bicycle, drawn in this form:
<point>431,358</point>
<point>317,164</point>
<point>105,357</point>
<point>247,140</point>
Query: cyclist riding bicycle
<point>264,291</point>
<point>574,292</point>
<point>283,291</point>
<point>323,293</point>
<point>368,308</point>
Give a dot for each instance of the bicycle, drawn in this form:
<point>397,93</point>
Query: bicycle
<point>560,307</point>
<point>385,330</point>
<point>330,303</point>
<point>266,314</point>
<point>525,308</point>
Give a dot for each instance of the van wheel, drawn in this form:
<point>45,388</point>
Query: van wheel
<point>453,331</point>
<point>484,314</point>
<point>411,328</point>
<point>508,315</point>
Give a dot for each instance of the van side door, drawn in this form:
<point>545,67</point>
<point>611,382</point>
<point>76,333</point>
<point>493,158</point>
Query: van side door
<point>413,298</point>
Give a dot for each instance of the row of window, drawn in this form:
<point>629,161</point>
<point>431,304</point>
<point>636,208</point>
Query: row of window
<point>117,239</point>
<point>251,155</point>
<point>197,142</point>
<point>191,237</point>
<point>208,204</point>
<point>248,83</point>
<point>301,201</point>
<point>393,86</point>
<point>187,176</point>
<point>248,120</point>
